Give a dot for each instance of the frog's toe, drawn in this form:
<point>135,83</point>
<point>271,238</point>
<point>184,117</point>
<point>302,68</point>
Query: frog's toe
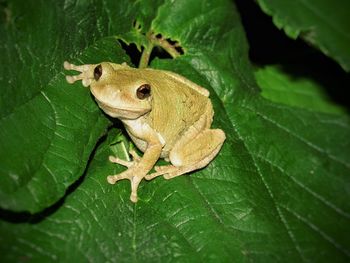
<point>134,179</point>
<point>81,68</point>
<point>86,73</point>
<point>133,197</point>
<point>68,66</point>
<point>161,170</point>
<point>168,176</point>
<point>117,160</point>
<point>112,179</point>
<point>134,155</point>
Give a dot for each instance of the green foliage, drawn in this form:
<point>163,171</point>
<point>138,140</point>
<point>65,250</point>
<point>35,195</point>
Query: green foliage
<point>278,190</point>
<point>323,23</point>
<point>279,86</point>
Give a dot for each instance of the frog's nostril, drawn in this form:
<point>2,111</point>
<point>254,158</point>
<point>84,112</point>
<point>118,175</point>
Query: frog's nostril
<point>97,72</point>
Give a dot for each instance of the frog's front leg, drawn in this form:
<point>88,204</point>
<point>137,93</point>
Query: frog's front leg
<point>86,73</point>
<point>89,72</point>
<point>138,169</point>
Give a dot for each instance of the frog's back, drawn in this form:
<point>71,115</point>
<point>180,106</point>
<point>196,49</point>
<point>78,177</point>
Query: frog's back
<point>177,104</point>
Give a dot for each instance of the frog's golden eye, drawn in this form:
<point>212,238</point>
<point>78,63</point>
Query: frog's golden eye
<point>143,92</point>
<point>98,72</point>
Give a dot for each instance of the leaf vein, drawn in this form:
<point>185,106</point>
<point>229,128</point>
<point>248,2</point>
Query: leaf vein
<point>305,141</point>
<point>279,212</point>
<point>270,193</point>
<point>317,230</point>
<point>307,189</point>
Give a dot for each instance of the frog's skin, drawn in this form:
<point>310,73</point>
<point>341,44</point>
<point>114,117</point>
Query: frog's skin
<point>166,115</point>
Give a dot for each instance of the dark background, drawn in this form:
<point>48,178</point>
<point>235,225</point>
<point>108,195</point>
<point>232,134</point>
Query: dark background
<point>269,45</point>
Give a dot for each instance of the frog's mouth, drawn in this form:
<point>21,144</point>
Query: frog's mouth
<point>121,112</point>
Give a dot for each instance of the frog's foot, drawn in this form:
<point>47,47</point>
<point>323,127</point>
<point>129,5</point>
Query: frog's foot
<point>130,174</point>
<point>161,170</point>
<point>87,73</point>
<point>171,171</point>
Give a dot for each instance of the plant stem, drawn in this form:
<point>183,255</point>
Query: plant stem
<point>170,48</point>
<point>155,41</point>
<point>146,53</point>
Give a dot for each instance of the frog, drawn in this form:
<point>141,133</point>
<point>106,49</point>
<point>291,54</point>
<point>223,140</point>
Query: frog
<point>166,115</point>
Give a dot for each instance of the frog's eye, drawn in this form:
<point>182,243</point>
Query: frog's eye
<point>97,72</point>
<point>143,92</point>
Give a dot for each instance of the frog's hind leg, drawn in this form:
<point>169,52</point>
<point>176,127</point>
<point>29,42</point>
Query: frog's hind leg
<point>191,153</point>
<point>196,148</point>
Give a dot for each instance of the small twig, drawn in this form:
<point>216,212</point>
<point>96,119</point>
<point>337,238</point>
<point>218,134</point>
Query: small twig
<point>170,48</point>
<point>146,53</point>
<point>157,41</point>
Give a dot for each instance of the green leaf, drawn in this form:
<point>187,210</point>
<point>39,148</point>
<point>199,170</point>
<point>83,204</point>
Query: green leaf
<point>279,86</point>
<point>49,128</point>
<point>277,191</point>
<point>324,24</point>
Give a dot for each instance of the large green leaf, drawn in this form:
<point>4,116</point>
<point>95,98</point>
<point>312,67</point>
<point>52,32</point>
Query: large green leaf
<point>279,86</point>
<point>325,24</point>
<point>278,190</point>
<point>48,129</point>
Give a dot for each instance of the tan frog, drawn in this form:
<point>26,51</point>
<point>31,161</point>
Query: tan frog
<point>166,115</point>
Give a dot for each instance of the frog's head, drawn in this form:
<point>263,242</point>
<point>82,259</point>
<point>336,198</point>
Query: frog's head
<point>120,93</point>
<point>119,90</point>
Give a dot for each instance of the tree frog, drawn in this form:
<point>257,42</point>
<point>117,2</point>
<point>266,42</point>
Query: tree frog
<point>166,116</point>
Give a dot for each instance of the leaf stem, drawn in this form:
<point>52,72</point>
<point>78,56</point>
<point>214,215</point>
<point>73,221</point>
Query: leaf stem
<point>146,53</point>
<point>157,41</point>
<point>164,43</point>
